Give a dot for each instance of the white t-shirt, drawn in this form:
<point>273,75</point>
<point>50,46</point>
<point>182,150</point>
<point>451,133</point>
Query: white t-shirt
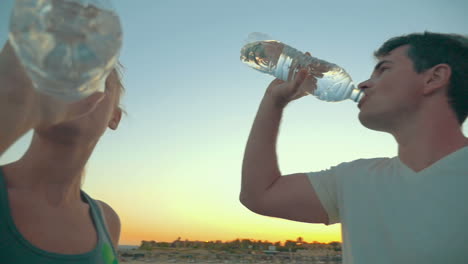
<point>391,214</point>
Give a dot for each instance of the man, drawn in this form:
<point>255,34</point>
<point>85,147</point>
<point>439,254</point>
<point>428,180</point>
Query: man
<point>406,209</point>
<point>21,108</point>
<point>45,217</point>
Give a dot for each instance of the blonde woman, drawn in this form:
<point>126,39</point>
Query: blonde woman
<point>45,217</point>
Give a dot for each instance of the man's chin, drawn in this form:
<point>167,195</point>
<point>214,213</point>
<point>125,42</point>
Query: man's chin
<point>373,122</point>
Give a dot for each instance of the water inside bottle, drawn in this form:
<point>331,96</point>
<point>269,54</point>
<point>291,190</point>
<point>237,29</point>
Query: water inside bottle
<point>335,85</point>
<point>65,47</point>
<point>262,55</point>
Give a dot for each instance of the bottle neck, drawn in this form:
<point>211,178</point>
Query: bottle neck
<point>356,95</point>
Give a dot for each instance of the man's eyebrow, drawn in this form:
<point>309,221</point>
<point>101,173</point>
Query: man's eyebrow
<point>380,64</point>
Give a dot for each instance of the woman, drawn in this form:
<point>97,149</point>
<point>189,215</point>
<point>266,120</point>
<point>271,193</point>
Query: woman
<point>45,217</point>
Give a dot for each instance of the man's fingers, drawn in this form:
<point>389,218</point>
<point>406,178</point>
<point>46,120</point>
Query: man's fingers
<point>309,85</point>
<point>294,86</point>
<point>300,77</point>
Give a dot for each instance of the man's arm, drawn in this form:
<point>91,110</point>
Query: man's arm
<point>263,189</point>
<point>22,108</point>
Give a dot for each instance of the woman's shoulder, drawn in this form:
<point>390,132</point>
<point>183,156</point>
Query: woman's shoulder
<point>112,219</point>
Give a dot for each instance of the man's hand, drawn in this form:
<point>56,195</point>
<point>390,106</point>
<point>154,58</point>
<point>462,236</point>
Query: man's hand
<point>304,83</point>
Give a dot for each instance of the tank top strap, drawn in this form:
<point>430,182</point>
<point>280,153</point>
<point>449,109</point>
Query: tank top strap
<point>4,207</point>
<point>101,226</point>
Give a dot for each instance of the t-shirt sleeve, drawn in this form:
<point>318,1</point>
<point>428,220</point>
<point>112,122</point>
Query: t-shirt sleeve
<point>325,184</point>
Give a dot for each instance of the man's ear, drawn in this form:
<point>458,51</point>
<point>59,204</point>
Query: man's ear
<point>437,78</point>
<point>116,116</point>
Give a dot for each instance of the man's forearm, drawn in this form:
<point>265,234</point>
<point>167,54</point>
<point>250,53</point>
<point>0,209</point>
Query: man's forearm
<point>260,165</point>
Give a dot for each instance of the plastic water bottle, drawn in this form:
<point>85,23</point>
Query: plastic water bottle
<point>67,47</point>
<point>283,62</point>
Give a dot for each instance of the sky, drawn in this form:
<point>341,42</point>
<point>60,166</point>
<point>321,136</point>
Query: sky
<point>173,167</point>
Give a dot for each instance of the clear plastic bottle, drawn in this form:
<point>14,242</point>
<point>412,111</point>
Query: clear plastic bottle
<point>283,62</point>
<point>67,47</point>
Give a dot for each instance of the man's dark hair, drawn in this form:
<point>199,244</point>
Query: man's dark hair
<point>429,49</point>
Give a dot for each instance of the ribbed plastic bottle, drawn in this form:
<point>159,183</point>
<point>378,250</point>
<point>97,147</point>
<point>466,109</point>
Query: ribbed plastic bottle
<point>67,47</point>
<point>283,62</point>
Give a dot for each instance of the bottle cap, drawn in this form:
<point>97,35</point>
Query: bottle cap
<point>257,36</point>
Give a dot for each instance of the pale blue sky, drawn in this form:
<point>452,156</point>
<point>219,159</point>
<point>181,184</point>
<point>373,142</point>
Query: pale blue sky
<point>191,101</point>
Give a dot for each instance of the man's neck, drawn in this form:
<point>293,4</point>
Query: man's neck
<point>425,145</point>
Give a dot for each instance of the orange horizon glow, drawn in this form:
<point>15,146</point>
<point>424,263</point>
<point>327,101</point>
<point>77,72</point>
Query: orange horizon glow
<point>200,223</point>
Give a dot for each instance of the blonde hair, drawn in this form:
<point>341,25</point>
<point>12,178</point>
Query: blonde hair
<point>117,73</point>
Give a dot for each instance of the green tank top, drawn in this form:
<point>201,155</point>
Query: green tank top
<point>15,249</point>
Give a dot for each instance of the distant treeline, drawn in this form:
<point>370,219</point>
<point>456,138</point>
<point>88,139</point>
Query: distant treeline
<point>243,244</point>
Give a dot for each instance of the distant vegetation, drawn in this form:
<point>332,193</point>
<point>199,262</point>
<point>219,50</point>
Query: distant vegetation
<point>243,245</point>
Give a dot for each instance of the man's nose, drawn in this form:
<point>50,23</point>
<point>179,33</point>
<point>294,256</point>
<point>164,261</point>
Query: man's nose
<point>365,84</point>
